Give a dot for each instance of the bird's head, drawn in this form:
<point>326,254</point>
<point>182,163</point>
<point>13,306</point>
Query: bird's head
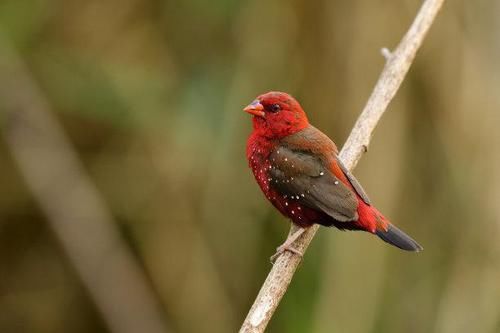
<point>277,114</point>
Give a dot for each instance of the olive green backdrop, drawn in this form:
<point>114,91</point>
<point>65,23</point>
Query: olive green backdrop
<point>150,94</point>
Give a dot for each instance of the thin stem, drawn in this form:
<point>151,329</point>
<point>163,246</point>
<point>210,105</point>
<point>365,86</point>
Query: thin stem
<point>73,206</point>
<point>397,65</point>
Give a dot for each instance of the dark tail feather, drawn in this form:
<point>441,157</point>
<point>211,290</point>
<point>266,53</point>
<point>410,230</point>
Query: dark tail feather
<point>398,238</point>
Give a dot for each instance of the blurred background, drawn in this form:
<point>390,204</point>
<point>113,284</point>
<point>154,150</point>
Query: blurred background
<point>126,203</point>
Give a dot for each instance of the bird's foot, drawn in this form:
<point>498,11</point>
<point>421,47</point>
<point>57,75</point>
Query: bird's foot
<point>281,249</point>
<point>287,246</point>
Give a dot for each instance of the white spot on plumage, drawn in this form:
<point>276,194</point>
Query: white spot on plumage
<point>293,212</point>
<point>286,203</point>
<point>336,182</point>
<point>286,159</point>
<point>302,194</point>
<point>321,173</point>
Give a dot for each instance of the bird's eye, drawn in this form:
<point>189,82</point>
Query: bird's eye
<point>275,108</point>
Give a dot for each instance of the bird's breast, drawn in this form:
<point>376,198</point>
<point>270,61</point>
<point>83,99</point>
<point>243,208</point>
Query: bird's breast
<point>260,165</point>
<point>289,205</point>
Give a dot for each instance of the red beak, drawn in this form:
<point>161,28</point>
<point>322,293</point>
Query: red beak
<point>256,109</point>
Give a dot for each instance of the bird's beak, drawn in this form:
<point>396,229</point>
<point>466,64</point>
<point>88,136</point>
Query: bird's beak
<point>255,108</point>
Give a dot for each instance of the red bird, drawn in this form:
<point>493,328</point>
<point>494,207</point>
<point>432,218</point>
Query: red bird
<point>298,169</point>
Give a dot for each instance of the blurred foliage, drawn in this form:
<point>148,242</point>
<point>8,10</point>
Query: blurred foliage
<point>151,92</point>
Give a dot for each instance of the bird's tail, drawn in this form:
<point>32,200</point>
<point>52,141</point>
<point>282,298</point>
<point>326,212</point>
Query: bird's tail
<point>398,238</point>
<point>373,221</point>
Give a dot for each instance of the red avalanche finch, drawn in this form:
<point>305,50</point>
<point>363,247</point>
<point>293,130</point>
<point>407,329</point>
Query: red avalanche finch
<point>297,168</point>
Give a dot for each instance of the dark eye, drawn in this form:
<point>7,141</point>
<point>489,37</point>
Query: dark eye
<point>275,108</point>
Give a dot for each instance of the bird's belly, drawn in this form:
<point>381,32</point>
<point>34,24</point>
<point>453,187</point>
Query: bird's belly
<point>288,205</point>
<point>300,214</point>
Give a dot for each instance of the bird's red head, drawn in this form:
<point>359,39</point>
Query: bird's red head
<point>276,115</point>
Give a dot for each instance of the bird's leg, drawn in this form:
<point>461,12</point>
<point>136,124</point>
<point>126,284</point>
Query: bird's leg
<point>287,245</point>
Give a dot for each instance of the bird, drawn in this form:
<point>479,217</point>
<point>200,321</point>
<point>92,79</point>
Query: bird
<point>298,169</point>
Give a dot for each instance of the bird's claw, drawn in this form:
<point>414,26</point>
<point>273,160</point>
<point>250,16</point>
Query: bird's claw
<point>281,249</point>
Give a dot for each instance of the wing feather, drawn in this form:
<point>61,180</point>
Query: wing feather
<point>354,182</point>
<point>300,175</point>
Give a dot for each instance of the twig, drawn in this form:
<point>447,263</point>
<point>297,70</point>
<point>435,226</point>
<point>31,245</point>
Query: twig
<point>397,65</point>
<point>72,204</point>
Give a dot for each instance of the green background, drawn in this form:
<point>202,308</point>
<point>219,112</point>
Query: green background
<point>150,95</point>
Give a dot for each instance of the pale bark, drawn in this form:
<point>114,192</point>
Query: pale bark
<point>397,65</point>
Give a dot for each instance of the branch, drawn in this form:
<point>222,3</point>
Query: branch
<point>396,67</point>
<point>72,205</point>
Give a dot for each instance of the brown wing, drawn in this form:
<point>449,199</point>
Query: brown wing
<point>354,182</point>
<point>319,144</point>
<point>299,174</point>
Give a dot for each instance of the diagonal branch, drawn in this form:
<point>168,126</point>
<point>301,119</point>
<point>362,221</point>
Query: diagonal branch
<point>392,76</point>
<point>72,204</point>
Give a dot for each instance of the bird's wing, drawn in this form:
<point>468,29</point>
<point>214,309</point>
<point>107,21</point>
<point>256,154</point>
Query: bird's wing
<point>318,142</point>
<point>354,182</point>
<point>300,175</point>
